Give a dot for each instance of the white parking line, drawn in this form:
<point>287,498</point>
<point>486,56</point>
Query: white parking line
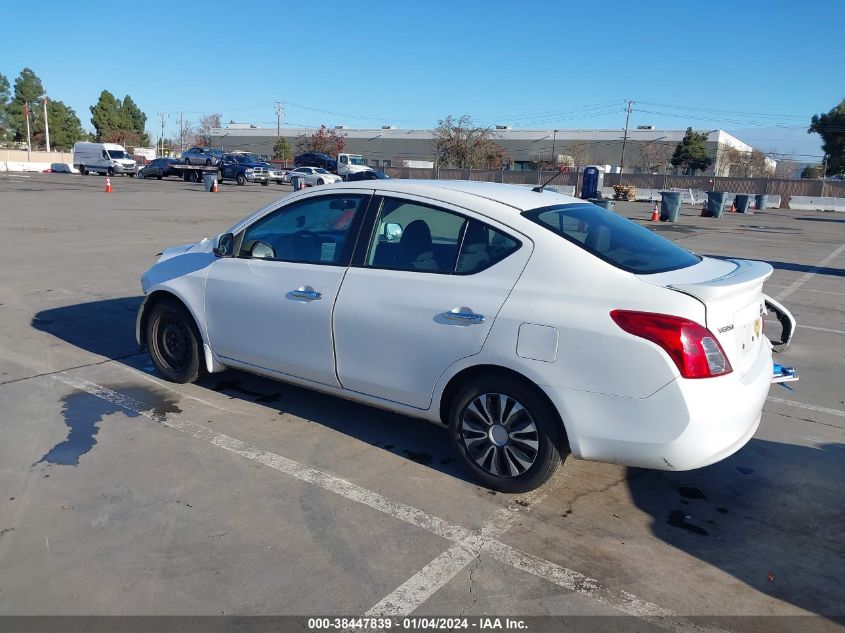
<point>569,579</point>
<point>811,327</point>
<point>809,407</point>
<point>415,591</point>
<point>824,292</point>
<point>795,285</point>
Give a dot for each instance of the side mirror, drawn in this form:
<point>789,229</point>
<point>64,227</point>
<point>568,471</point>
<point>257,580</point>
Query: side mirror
<point>225,245</point>
<point>392,232</point>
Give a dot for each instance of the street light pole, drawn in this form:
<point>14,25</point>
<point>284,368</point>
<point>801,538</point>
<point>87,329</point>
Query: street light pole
<point>46,124</point>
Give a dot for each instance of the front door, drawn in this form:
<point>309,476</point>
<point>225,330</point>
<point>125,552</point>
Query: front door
<point>271,306</point>
<point>427,293</point>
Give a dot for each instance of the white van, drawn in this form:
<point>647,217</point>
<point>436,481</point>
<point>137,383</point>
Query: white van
<point>102,158</point>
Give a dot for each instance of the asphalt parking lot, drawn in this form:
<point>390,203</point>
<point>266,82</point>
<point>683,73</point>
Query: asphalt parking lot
<point>123,494</point>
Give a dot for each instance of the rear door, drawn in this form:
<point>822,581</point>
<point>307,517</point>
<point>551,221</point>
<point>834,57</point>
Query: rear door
<point>424,294</point>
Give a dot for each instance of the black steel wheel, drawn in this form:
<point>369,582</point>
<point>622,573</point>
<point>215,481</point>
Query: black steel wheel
<point>173,341</point>
<point>240,179</point>
<point>506,433</point>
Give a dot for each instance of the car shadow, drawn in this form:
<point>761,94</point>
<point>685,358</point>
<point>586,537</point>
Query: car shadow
<point>771,516</point>
<point>840,220</point>
<point>107,328</point>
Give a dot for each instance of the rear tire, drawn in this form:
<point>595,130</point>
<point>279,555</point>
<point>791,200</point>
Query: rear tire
<point>173,341</point>
<point>506,433</point>
<point>320,182</point>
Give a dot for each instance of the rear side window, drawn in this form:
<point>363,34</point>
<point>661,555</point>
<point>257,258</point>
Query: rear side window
<point>610,237</point>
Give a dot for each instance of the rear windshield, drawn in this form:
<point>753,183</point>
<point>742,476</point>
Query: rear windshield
<point>610,237</point>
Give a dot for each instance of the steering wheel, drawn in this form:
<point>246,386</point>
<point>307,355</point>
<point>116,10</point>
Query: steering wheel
<point>306,239</point>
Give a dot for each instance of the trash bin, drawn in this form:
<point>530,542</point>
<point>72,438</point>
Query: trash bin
<point>742,200</point>
<point>670,206</point>
<point>298,182</point>
<point>208,180</point>
<point>604,203</point>
<point>760,201</point>
<point>716,203</point>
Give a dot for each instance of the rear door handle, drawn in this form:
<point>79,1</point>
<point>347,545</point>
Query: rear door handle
<point>306,292</point>
<point>463,315</point>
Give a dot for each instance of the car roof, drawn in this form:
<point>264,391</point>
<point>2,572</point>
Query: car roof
<point>520,197</point>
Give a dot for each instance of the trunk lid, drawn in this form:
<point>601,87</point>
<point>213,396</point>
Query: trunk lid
<point>732,293</point>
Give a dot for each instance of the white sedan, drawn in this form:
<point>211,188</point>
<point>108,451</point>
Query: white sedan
<point>532,324</point>
<point>313,176</point>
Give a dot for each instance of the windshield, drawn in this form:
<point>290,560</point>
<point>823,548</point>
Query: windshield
<point>320,170</point>
<point>616,240</point>
<point>116,153</point>
<point>247,158</point>
<point>356,160</point>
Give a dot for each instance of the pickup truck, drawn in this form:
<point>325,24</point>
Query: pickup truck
<point>243,168</point>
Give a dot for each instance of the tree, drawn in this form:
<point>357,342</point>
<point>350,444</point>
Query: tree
<point>691,153</point>
<point>324,141</point>
<point>281,149</point>
<point>580,152</point>
<point>812,172</point>
<point>118,121</point>
<point>831,128</point>
<point>65,127</point>
<point>5,95</point>
<point>459,143</point>
<point>28,90</point>
<point>748,163</point>
<point>655,155</point>
<point>137,119</point>
<point>206,124</point>
<point>785,168</point>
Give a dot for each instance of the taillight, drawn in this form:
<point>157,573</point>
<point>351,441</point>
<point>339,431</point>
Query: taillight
<point>692,347</point>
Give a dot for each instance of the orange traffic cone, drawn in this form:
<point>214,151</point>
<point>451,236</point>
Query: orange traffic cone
<point>214,186</point>
<point>108,185</point>
<point>655,214</point>
<point>733,207</point>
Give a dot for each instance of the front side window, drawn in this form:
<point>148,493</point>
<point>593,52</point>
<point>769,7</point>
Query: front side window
<point>610,237</point>
<point>312,231</point>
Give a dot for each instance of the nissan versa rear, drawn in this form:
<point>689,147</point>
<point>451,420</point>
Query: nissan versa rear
<point>531,324</point>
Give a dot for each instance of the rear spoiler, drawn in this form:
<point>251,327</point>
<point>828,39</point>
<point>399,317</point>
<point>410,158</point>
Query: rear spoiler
<point>746,275</point>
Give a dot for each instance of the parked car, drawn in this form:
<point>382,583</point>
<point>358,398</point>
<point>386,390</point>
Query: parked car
<point>316,159</point>
<point>313,176</point>
<point>102,158</point>
<point>160,168</point>
<point>277,175</point>
<point>530,323</point>
<point>367,175</point>
<point>202,156</point>
<point>243,168</point>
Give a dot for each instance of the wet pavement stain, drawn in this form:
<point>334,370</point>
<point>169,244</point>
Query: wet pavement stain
<point>678,519</point>
<point>84,412</point>
<point>257,396</point>
<point>688,492</point>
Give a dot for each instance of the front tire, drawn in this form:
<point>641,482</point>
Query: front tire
<point>173,342</point>
<point>141,175</point>
<point>110,171</point>
<point>264,183</point>
<point>506,433</point>
<point>240,179</point>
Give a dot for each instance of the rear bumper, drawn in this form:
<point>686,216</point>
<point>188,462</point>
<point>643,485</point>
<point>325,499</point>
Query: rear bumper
<point>685,425</point>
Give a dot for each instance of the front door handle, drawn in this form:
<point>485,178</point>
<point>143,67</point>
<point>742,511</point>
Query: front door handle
<point>306,292</point>
<point>463,315</point>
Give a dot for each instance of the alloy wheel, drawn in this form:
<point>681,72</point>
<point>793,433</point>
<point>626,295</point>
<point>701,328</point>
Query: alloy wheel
<point>499,434</point>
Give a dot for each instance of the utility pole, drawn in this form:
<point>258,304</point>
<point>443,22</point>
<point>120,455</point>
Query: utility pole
<point>46,125</point>
<point>824,171</point>
<point>280,110</point>
<point>625,138</point>
<point>161,136</point>
<point>28,144</point>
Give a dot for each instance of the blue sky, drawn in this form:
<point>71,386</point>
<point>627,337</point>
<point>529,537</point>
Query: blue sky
<point>758,69</point>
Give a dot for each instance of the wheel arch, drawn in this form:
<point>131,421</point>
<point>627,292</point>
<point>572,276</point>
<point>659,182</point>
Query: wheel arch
<point>157,296</point>
<point>467,374</point>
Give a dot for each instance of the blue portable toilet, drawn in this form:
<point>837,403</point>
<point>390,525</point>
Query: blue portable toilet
<point>592,182</point>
